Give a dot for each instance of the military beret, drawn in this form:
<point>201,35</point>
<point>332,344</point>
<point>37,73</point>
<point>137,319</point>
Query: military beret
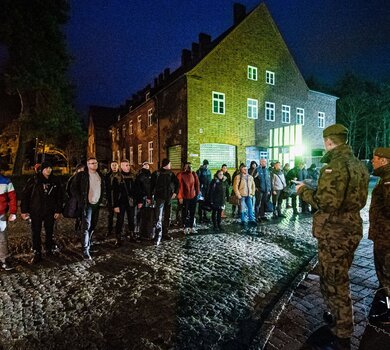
<point>382,152</point>
<point>335,129</point>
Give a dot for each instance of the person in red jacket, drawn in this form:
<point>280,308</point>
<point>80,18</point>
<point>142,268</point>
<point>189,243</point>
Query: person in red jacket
<point>7,205</point>
<point>188,193</point>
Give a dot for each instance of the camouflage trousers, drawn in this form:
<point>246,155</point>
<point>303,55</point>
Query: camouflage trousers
<point>382,263</point>
<point>335,259</point>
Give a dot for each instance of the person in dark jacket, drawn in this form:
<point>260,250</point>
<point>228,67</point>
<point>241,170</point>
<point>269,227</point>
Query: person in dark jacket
<point>237,172</point>
<point>165,187</point>
<point>109,179</point>
<point>124,200</point>
<point>217,195</point>
<point>265,189</point>
<point>298,173</point>
<point>79,167</point>
<point>88,186</point>
<point>313,173</point>
<point>42,203</point>
<point>226,174</point>
<point>204,175</point>
<point>143,183</point>
<point>286,169</point>
<point>256,199</point>
<point>189,190</point>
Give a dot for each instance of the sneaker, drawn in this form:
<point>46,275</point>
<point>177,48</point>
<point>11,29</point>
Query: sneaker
<point>6,266</point>
<point>37,258</point>
<point>87,256</point>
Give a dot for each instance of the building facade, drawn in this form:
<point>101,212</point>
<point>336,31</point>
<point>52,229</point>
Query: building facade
<point>238,98</point>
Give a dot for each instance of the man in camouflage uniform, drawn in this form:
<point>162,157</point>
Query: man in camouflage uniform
<point>379,230</point>
<point>337,225</point>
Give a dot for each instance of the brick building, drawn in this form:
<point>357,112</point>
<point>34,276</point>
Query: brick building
<point>236,98</point>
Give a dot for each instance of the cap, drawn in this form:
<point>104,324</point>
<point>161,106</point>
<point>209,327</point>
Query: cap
<point>335,129</point>
<point>165,162</point>
<point>45,165</point>
<point>382,152</point>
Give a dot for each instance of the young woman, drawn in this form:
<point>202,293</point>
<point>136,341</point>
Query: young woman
<point>217,194</point>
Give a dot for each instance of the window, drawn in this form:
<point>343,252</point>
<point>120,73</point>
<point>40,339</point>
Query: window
<point>150,114</point>
<point>252,109</point>
<point>123,153</point>
<point>113,155</point>
<point>252,73</point>
<point>218,154</point>
<point>150,152</point>
<point>139,121</point>
<point>218,103</point>
<point>270,111</point>
<point>285,114</point>
<point>117,134</point>
<point>124,130</point>
<point>131,156</point>
<point>300,116</point>
<point>321,119</point>
<point>140,154</point>
<point>270,77</point>
<point>130,127</point>
<point>147,96</point>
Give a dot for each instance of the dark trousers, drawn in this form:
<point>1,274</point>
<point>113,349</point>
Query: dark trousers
<point>302,204</point>
<point>216,216</point>
<point>120,219</point>
<point>89,221</point>
<point>188,212</point>
<point>162,215</point>
<point>111,214</point>
<point>262,204</point>
<point>36,227</point>
<point>277,202</point>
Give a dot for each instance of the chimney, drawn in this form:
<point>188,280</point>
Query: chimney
<point>185,57</point>
<point>195,51</point>
<point>167,72</point>
<point>160,79</point>
<point>204,43</point>
<point>239,13</point>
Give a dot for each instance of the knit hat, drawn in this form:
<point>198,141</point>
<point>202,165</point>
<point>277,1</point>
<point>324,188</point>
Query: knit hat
<point>382,152</point>
<point>335,129</point>
<point>45,165</point>
<point>165,162</point>
<point>205,162</point>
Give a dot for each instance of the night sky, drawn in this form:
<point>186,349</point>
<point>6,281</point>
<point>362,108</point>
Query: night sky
<point>119,46</point>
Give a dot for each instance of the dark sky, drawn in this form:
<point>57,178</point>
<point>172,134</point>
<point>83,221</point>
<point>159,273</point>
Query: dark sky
<point>119,46</point>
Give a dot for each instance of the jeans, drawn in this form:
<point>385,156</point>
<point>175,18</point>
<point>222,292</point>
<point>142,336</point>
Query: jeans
<point>188,212</point>
<point>36,227</point>
<point>120,219</point>
<point>262,204</point>
<point>277,202</point>
<point>162,215</point>
<point>89,222</point>
<point>247,209</point>
<point>4,253</point>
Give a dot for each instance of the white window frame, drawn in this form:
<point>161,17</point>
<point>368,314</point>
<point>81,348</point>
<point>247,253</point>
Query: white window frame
<point>117,134</point>
<point>286,114</point>
<point>270,77</point>
<point>140,153</point>
<point>269,107</point>
<point>252,73</point>
<point>252,108</point>
<point>219,100</point>
<point>130,127</point>
<point>150,114</point>
<point>139,122</point>
<point>147,96</point>
<point>124,130</point>
<point>321,120</point>
<point>131,155</point>
<point>123,153</point>
<point>150,152</point>
<point>300,116</point>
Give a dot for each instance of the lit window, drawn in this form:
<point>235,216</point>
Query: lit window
<point>321,120</point>
<point>123,153</point>
<point>113,155</point>
<point>218,103</point>
<point>270,111</point>
<point>124,130</point>
<point>150,152</point>
<point>130,127</point>
<point>131,155</point>
<point>139,121</point>
<point>252,73</point>
<point>252,109</point>
<point>150,114</point>
<point>285,114</point>
<point>117,134</point>
<point>300,116</point>
<point>270,77</point>
<point>140,154</point>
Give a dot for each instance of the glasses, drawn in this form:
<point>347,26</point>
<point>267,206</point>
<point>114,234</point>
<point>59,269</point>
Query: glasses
<point>94,163</point>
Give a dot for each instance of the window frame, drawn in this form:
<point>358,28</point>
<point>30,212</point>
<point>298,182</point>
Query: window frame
<point>251,108</point>
<point>150,115</point>
<point>289,114</point>
<point>150,152</point>
<point>139,122</point>
<point>218,101</point>
<point>252,73</point>
<point>131,155</point>
<point>269,77</point>
<point>139,154</point>
<point>267,109</point>
<point>131,131</point>
<point>321,117</point>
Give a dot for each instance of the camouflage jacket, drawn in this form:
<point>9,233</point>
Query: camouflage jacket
<point>380,206</point>
<point>341,193</point>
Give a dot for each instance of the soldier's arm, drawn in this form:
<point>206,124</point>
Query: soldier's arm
<point>307,196</point>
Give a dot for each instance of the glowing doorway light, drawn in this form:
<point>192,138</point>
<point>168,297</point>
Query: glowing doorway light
<point>297,150</point>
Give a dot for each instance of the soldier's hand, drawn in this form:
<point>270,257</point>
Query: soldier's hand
<point>297,187</point>
<point>117,210</point>
<point>12,217</point>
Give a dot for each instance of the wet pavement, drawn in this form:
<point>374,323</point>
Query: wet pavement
<point>203,291</point>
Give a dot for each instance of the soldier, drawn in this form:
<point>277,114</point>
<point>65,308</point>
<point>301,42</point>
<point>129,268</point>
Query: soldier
<point>337,225</point>
<point>379,230</point>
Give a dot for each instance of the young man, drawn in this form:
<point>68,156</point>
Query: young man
<point>109,179</point>
<point>7,205</point>
<point>89,186</point>
<point>204,176</point>
<point>278,184</point>
<point>265,190</point>
<point>42,202</point>
<point>341,194</point>
<point>165,187</point>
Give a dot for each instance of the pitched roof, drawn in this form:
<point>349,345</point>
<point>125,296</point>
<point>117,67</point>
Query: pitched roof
<point>103,116</point>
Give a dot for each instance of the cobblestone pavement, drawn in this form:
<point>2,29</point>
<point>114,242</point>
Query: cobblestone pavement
<point>204,291</point>
<point>293,322</point>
